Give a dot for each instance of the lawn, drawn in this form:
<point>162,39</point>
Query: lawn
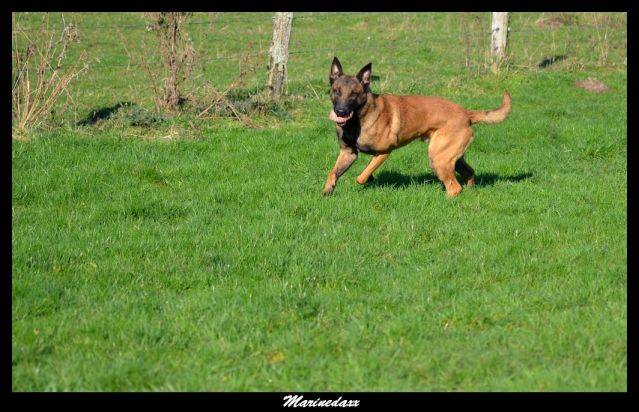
<point>198,253</point>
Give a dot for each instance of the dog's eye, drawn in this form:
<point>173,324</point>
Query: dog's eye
<point>337,93</point>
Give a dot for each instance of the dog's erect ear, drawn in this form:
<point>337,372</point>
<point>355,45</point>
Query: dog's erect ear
<point>336,70</point>
<point>364,75</point>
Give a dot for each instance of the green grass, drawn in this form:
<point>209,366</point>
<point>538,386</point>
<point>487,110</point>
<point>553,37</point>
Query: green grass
<point>198,254</point>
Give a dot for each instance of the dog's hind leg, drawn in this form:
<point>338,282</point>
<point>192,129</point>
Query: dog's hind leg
<point>445,171</point>
<point>467,173</point>
<point>375,162</point>
<point>443,152</point>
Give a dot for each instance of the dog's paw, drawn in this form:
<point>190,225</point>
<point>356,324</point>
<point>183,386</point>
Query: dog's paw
<point>328,191</point>
<point>361,180</point>
<point>454,192</point>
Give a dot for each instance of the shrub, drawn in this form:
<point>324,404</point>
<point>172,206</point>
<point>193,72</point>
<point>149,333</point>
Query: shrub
<point>178,57</point>
<point>39,77</point>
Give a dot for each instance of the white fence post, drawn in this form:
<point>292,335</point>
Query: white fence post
<point>278,53</point>
<point>499,39</point>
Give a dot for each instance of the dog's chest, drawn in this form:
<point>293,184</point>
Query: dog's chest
<point>372,143</point>
<point>366,146</point>
<point>360,142</point>
<point>367,141</point>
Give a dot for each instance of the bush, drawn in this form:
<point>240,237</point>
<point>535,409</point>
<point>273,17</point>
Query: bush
<point>39,77</point>
<point>178,57</point>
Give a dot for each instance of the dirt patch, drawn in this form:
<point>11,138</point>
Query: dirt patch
<point>556,20</point>
<point>592,85</point>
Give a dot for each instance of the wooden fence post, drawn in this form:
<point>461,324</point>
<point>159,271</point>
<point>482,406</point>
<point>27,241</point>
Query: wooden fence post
<point>499,39</point>
<point>278,53</point>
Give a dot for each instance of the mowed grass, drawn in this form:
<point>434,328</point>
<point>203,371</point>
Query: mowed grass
<point>208,260</point>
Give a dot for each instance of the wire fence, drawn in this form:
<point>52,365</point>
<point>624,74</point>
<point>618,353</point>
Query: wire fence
<point>252,20</point>
<point>457,34</point>
<point>411,42</point>
<point>233,19</point>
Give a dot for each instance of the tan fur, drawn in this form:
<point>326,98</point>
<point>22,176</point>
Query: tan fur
<point>492,116</point>
<point>388,122</point>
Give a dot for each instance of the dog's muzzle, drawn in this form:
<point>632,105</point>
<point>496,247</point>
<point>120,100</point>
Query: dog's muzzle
<point>339,120</point>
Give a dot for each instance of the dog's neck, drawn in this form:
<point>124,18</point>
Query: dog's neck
<point>369,107</point>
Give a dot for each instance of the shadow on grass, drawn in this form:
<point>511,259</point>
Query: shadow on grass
<point>394,179</point>
<point>103,113</point>
<point>548,61</point>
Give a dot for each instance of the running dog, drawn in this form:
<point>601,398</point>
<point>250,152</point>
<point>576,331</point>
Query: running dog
<point>378,124</point>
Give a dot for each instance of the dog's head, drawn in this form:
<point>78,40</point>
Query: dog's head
<point>348,93</point>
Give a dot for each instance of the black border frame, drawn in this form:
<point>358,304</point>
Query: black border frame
<point>275,399</point>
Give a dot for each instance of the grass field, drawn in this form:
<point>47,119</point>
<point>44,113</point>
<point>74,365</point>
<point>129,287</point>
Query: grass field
<point>198,254</point>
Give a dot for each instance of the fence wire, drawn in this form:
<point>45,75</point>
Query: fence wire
<point>474,40</point>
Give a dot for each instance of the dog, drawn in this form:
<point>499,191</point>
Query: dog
<point>378,124</point>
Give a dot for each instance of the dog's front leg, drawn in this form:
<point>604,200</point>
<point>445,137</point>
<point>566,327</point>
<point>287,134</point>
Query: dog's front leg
<point>345,159</point>
<point>367,174</point>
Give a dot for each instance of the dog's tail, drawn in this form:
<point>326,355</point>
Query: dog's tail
<point>492,116</point>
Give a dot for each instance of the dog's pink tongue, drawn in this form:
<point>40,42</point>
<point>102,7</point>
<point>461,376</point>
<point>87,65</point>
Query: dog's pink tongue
<point>336,118</point>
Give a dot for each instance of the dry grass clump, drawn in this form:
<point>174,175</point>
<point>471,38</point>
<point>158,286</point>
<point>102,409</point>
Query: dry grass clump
<point>40,73</point>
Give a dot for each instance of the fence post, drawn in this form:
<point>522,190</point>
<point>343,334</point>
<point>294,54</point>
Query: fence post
<point>499,39</point>
<point>278,53</point>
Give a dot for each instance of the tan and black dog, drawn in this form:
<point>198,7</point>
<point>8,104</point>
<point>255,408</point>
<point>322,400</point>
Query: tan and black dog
<point>378,124</point>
